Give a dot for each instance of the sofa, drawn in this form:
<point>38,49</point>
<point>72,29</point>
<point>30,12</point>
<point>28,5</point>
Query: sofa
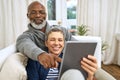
<point>12,63</point>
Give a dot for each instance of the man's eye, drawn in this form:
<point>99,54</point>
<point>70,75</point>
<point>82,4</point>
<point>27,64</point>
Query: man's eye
<point>42,12</point>
<point>33,12</point>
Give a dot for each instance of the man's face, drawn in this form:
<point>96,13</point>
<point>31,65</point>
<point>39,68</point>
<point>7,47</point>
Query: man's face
<point>55,43</point>
<point>37,13</point>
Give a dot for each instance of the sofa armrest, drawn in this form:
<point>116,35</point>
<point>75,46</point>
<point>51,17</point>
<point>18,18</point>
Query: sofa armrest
<point>4,53</point>
<point>101,74</point>
<point>14,68</point>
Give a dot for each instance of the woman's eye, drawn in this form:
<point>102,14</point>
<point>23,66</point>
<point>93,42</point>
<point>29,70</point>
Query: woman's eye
<point>52,39</point>
<point>60,40</point>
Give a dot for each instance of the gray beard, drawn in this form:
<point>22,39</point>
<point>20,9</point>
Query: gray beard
<point>40,26</point>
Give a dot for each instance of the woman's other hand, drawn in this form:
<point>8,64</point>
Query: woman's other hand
<point>90,65</point>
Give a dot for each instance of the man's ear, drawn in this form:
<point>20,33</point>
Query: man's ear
<point>27,15</point>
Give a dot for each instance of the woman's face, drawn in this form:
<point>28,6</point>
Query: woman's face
<point>55,43</point>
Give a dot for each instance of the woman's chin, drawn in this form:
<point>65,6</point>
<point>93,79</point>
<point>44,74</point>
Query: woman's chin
<point>56,54</point>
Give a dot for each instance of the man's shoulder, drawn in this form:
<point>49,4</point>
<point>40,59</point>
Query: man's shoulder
<point>63,28</point>
<point>25,34</point>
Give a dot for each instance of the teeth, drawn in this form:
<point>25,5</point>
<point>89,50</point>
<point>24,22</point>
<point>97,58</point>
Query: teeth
<point>56,48</point>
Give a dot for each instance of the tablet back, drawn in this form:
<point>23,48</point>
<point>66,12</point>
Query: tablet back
<point>73,53</point>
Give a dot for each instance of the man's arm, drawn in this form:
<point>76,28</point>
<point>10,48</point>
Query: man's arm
<point>49,60</point>
<point>26,46</point>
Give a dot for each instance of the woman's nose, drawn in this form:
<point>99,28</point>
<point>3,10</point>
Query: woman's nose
<point>56,42</point>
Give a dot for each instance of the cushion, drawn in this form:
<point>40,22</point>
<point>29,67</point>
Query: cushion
<point>14,68</point>
<point>72,74</point>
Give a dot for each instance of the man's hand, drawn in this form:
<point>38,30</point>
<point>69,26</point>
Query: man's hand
<point>90,65</point>
<point>49,60</point>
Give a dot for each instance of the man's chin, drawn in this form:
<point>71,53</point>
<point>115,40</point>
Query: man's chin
<point>39,23</point>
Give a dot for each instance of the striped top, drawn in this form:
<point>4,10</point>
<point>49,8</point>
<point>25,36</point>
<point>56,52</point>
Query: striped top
<point>52,74</point>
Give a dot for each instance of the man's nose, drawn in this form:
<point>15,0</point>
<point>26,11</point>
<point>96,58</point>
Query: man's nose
<point>38,14</point>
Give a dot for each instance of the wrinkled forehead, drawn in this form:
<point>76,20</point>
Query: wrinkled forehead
<point>36,5</point>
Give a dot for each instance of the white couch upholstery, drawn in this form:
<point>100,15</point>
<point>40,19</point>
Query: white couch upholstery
<point>12,64</point>
<point>4,53</point>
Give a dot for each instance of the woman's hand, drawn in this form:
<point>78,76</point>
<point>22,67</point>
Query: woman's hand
<point>90,65</point>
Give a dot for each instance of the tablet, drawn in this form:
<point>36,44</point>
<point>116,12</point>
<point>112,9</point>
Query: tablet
<point>73,53</point>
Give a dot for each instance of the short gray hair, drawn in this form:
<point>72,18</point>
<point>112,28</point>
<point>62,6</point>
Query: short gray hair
<point>53,29</point>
